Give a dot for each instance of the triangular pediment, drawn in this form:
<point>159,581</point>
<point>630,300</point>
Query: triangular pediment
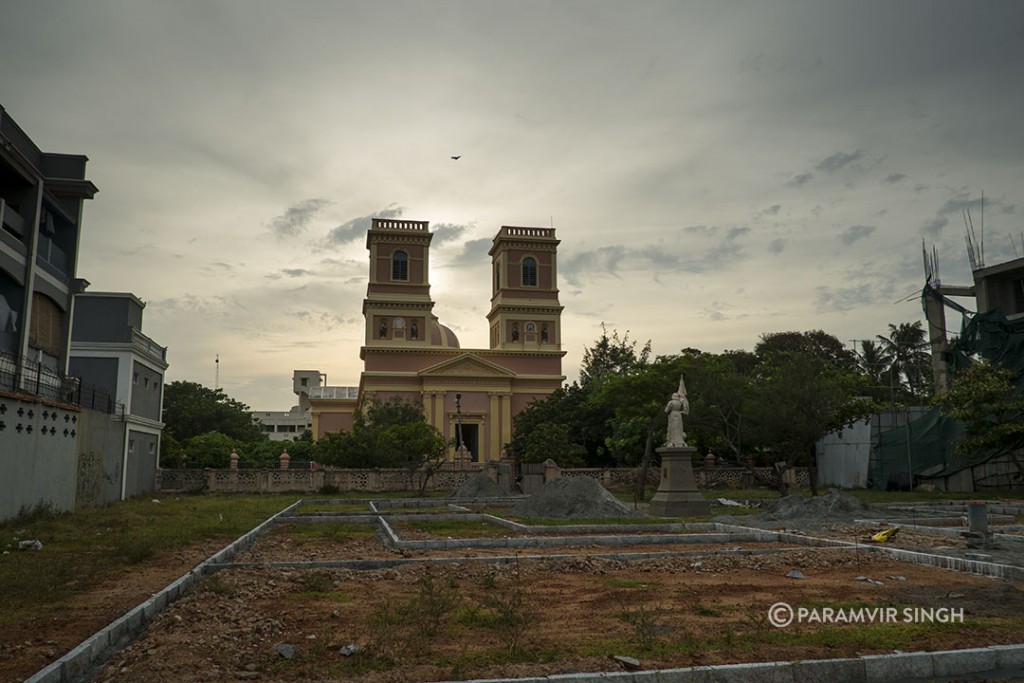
<point>466,365</point>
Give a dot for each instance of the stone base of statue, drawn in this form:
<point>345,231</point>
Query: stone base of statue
<point>677,494</point>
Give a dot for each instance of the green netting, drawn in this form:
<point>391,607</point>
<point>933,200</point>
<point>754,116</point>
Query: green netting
<point>924,445</point>
<point>994,338</point>
<point>930,439</point>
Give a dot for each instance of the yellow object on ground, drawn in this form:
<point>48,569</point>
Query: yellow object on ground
<point>883,536</point>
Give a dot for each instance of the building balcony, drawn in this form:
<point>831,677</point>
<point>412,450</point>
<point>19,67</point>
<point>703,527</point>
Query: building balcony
<point>145,346</point>
<point>53,260</point>
<point>334,392</point>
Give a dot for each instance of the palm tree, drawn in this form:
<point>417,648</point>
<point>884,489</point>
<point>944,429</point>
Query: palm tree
<point>906,355</point>
<point>873,365</point>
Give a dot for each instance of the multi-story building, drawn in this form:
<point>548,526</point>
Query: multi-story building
<point>41,200</point>
<point>110,352</point>
<point>469,395</point>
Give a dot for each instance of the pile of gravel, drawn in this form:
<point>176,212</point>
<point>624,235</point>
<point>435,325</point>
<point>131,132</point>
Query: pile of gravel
<point>803,513</point>
<point>479,486</point>
<point>572,497</point>
<point>833,506</point>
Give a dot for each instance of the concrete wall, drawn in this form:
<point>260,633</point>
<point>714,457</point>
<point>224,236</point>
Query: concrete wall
<point>101,319</point>
<point>147,384</point>
<point>37,455</point>
<point>100,372</point>
<point>142,455</point>
<point>100,459</point>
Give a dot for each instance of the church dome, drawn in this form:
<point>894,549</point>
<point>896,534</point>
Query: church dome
<point>441,335</point>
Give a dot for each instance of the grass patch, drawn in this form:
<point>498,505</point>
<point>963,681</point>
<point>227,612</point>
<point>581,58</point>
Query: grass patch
<point>556,521</point>
<point>334,532</point>
<point>340,508</point>
<point>81,549</point>
<point>456,528</point>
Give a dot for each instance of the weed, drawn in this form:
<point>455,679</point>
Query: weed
<point>216,585</point>
<point>134,547</point>
<point>757,619</point>
<point>433,603</point>
<point>40,512</point>
<point>489,581</point>
<point>329,490</point>
<point>643,621</point>
<point>316,582</point>
<point>388,626</point>
<point>705,611</point>
<point>512,614</point>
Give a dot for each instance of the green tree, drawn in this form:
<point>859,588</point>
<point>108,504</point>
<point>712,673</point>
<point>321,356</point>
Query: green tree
<point>908,360</point>
<point>814,344</point>
<point>797,398</point>
<point>190,409</point>
<point>987,399</point>
<point>611,356</point>
<point>568,413</point>
<point>212,449</point>
<point>392,433</point>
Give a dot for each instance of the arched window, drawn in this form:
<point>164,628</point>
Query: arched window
<point>400,266</point>
<point>529,272</point>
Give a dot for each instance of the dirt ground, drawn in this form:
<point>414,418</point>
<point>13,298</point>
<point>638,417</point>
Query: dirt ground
<point>577,613</point>
<point>26,647</point>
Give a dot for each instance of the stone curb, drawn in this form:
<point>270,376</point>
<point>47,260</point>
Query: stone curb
<point>75,664</point>
<point>495,559</point>
<point>906,666</point>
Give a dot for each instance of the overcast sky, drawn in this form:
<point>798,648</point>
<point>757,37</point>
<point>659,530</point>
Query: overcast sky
<point>714,170</point>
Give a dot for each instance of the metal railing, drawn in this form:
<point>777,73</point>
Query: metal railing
<point>27,376</point>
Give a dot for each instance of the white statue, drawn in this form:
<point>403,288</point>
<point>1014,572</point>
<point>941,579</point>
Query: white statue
<point>677,407</point>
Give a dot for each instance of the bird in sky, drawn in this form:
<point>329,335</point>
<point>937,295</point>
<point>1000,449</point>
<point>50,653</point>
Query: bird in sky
<point>456,158</point>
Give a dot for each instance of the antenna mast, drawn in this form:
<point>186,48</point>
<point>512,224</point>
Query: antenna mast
<point>216,372</point>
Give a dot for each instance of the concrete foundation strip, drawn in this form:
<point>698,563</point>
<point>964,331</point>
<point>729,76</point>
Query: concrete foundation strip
<point>75,665</point>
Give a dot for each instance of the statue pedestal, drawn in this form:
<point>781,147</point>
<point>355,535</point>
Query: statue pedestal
<point>677,494</point>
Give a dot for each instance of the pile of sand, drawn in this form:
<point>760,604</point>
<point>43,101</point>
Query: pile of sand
<point>479,486</point>
<point>572,497</point>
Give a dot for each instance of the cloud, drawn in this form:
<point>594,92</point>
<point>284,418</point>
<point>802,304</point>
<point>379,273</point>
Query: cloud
<point>956,205</point>
<point>838,160</point>
<point>654,258</point>
<point>831,299</point>
<point>934,226</point>
<point>356,228</point>
<point>322,320</point>
<point>289,272</point>
<point>961,203</point>
<point>772,210</point>
<point>295,218</point>
<point>447,232</point>
<point>706,230</point>
<point>894,178</point>
<point>473,251</point>
<point>856,232</point>
<point>799,180</point>
<point>777,246</point>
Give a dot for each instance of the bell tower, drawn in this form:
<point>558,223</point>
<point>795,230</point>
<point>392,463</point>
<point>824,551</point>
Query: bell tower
<point>398,306</point>
<point>525,313</point>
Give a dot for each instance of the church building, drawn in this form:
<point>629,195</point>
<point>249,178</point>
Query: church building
<point>408,353</point>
